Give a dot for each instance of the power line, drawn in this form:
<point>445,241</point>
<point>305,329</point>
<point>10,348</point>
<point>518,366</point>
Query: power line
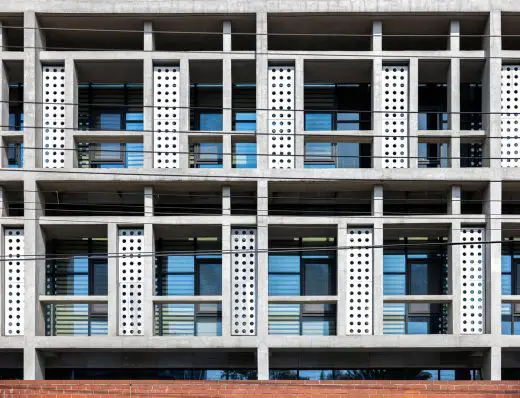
<point>257,251</point>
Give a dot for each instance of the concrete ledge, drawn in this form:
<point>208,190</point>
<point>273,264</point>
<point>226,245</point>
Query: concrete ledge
<point>73,299</point>
<point>511,299</point>
<point>437,299</point>
<point>186,299</point>
<point>303,299</point>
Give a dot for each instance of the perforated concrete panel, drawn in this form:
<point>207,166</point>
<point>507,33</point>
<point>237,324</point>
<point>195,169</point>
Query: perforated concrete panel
<point>281,117</point>
<point>472,281</point>
<point>243,277</point>
<point>359,281</point>
<point>395,117</point>
<point>14,282</point>
<point>53,116</point>
<point>166,116</point>
<point>510,117</point>
<point>130,249</point>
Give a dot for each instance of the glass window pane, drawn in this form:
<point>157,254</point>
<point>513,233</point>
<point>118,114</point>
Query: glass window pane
<point>180,264</point>
<point>245,121</point>
<point>317,280</point>
<point>244,155</point>
<point>418,278</point>
<point>210,122</point>
<point>393,318</point>
<point>134,155</point>
<point>315,374</point>
<point>178,319</point>
<point>318,121</point>
<point>100,279</point>
<point>394,284</point>
<point>394,263</point>
<point>284,285</point>
<point>109,121</point>
<point>210,279</point>
<point>506,263</point>
<point>209,326</point>
<point>286,264</point>
<point>180,285</point>
<point>348,155</point>
<point>418,324</point>
<point>284,319</point>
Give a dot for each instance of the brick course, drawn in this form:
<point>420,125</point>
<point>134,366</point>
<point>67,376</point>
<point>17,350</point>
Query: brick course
<point>253,389</point>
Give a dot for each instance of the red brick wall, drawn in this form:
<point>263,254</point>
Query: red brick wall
<point>253,389</point>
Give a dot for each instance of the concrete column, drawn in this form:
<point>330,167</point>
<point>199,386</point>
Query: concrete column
<point>377,201</point>
<point>34,247</point>
<point>184,112</point>
<point>377,36</point>
<point>3,37</point>
<point>262,260</point>
<point>454,109</point>
<point>262,140</point>
<point>493,256</point>
<point>454,40</point>
<point>491,92</point>
<point>148,280</point>
<point>378,277</point>
<point>377,116</point>
<point>71,112</point>
<point>3,203</point>
<point>226,280</point>
<point>33,364</point>
<point>262,359</point>
<point>413,142</point>
<point>492,368</point>
<point>148,113</point>
<point>454,277</point>
<point>299,115</point>
<point>32,91</point>
<point>227,114</point>
<point>148,202</point>
<point>342,260</point>
<point>454,204</point>
<point>149,37</point>
<point>227,95</point>
<point>4,101</point>
<point>226,200</point>
<point>113,285</point>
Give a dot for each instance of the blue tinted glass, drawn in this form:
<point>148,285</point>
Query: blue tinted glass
<point>180,264</point>
<point>319,166</point>
<point>347,121</point>
<point>180,285</point>
<point>245,155</point>
<point>134,121</point>
<point>348,155</point>
<point>394,263</point>
<point>318,121</point>
<point>423,121</point>
<point>506,284</point>
<point>316,326</point>
<point>506,325</point>
<point>134,155</point>
<point>210,279</point>
<point>516,326</point>
<point>21,155</point>
<point>210,152</point>
<point>419,279</point>
<point>394,284</point>
<point>318,150</point>
<point>418,325</point>
<point>210,122</point>
<point>393,318</point>
<point>245,121</point>
<point>284,319</point>
<point>284,264</point>
<point>110,121</point>
<point>284,285</point>
<point>506,263</point>
<point>12,121</point>
<point>447,374</point>
<point>315,374</point>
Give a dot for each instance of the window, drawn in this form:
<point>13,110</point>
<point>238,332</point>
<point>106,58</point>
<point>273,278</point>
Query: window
<point>206,107</point>
<point>471,106</point>
<point>304,273</point>
<point>206,155</point>
<point>302,319</point>
<point>412,270</point>
<point>244,107</point>
<point>433,155</point>
<point>112,107</point>
<point>15,107</point>
<point>14,155</point>
<point>375,374</point>
<point>188,320</point>
<point>104,155</point>
<point>244,155</point>
<point>330,107</point>
<point>433,106</point>
<point>76,319</point>
<point>189,274</point>
<point>412,318</point>
<point>511,319</point>
<point>338,155</point>
<point>80,267</point>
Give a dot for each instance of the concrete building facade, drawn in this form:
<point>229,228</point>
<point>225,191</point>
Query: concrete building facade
<point>255,189</point>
